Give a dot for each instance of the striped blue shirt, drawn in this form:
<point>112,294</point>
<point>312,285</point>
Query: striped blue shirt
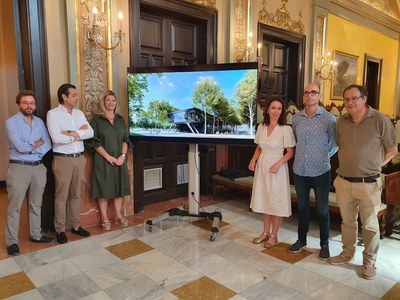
<point>315,142</point>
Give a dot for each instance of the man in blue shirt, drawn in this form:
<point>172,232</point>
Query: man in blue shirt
<point>29,142</point>
<point>315,132</point>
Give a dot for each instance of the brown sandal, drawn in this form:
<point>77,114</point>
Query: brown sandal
<point>123,222</point>
<point>106,225</point>
<point>263,237</point>
<point>269,243</point>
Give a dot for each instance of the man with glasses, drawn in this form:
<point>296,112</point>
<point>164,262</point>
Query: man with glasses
<point>29,142</point>
<point>314,129</point>
<point>367,141</point>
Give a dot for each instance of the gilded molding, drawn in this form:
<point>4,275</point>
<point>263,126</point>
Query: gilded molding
<point>383,6</point>
<point>93,63</point>
<point>207,3</point>
<point>281,18</point>
<point>319,43</point>
<point>240,29</point>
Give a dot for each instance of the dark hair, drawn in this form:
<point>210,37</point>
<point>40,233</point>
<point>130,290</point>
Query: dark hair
<point>282,117</point>
<point>23,94</point>
<point>64,90</point>
<point>363,90</point>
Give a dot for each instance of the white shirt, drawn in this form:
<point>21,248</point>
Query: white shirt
<point>58,119</point>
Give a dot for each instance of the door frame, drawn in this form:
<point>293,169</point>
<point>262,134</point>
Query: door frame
<point>379,60</point>
<point>292,37</point>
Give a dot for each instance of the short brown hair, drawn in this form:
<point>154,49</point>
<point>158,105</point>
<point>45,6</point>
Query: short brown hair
<point>23,94</point>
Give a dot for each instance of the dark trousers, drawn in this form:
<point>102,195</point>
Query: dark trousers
<point>320,184</point>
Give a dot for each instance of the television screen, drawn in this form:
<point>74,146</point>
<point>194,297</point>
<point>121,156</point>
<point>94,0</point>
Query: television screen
<point>213,103</point>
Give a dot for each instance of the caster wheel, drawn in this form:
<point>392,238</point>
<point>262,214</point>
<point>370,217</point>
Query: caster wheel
<point>150,228</point>
<point>213,237</point>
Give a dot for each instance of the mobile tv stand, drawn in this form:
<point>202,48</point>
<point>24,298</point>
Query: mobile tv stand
<point>193,194</point>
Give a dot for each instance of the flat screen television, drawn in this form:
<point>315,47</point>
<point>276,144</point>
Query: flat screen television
<point>213,103</point>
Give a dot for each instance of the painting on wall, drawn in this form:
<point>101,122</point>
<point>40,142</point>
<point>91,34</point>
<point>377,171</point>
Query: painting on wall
<point>345,73</point>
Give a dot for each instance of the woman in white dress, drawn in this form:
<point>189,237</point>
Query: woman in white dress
<point>271,187</point>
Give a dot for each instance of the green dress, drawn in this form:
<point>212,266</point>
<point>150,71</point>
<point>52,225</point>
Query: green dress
<point>109,181</point>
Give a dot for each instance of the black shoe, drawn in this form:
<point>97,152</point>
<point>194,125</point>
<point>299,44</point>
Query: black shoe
<point>61,237</point>
<point>43,239</point>
<point>13,250</point>
<point>324,253</point>
<point>80,231</point>
<point>297,247</point>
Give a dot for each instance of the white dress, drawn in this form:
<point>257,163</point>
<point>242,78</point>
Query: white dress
<point>271,192</point>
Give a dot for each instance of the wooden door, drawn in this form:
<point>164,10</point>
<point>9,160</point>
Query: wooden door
<point>168,33</point>
<point>282,64</point>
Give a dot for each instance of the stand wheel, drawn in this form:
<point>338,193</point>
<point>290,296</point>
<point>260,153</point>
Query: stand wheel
<point>213,236</point>
<point>150,228</point>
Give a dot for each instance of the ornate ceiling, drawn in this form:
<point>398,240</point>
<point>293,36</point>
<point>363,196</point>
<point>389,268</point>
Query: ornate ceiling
<point>388,7</point>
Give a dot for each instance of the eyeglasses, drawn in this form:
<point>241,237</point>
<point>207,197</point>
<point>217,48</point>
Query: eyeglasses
<point>312,93</point>
<point>352,99</point>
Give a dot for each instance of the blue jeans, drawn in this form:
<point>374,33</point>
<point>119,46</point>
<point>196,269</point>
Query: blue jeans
<point>320,184</point>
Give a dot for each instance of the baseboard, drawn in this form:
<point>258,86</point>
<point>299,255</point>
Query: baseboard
<point>2,183</point>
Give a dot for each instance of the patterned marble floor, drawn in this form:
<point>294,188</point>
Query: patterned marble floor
<point>178,261</point>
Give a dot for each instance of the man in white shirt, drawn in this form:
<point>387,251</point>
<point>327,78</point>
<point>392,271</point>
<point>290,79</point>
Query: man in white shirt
<point>68,128</point>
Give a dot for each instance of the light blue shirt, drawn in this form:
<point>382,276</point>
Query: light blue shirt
<point>22,137</point>
<point>315,142</point>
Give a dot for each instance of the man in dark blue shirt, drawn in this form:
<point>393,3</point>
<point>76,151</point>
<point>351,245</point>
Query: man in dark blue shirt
<point>29,142</point>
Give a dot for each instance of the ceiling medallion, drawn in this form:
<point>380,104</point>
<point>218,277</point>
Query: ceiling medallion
<point>208,3</point>
<point>281,18</point>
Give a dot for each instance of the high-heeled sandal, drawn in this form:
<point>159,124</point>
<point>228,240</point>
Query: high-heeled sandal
<point>106,225</point>
<point>123,222</point>
<point>269,244</point>
<point>258,240</point>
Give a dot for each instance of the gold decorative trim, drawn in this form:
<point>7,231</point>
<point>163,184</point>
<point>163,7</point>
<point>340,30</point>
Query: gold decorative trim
<point>240,15</point>
<point>207,3</point>
<point>319,44</point>
<point>384,6</point>
<point>93,62</point>
<point>281,18</point>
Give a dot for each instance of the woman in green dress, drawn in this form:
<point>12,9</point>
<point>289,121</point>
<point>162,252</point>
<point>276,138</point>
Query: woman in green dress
<point>110,179</point>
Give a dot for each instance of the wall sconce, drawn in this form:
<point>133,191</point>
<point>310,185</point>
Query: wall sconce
<point>325,68</point>
<point>97,22</point>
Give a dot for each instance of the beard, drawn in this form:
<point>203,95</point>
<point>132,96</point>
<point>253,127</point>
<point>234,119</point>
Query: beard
<point>27,112</point>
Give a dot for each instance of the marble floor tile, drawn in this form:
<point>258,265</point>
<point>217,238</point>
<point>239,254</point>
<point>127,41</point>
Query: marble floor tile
<point>74,287</point>
<point>129,248</point>
<point>111,274</point>
<point>270,289</point>
<point>234,251</point>
<point>93,260</point>
<point>281,251</point>
<point>101,295</point>
<point>14,284</point>
<point>112,238</point>
<point>149,262</point>
<point>52,272</point>
<point>31,295</point>
<point>203,288</point>
<point>8,266</point>
<point>138,287</point>
<point>393,293</point>
<point>239,278</point>
<point>173,276</point>
<point>264,264</point>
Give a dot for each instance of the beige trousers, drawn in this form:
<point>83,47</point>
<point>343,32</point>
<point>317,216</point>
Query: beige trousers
<point>364,199</point>
<point>69,178</point>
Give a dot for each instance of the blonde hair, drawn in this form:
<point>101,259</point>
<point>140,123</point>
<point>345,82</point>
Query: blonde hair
<point>103,98</point>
